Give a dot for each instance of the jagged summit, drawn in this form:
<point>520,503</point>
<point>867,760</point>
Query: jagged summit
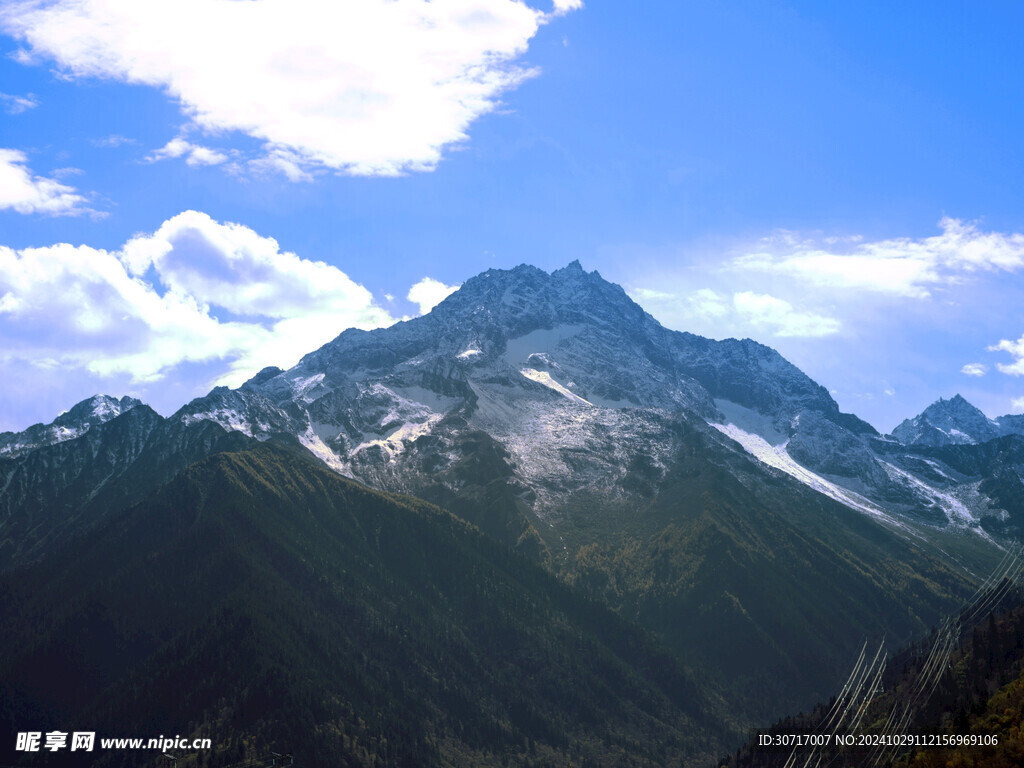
<point>266,373</point>
<point>561,376</point>
<point>526,297</point>
<point>570,326</point>
<point>73,423</point>
<point>948,422</point>
<point>955,422</point>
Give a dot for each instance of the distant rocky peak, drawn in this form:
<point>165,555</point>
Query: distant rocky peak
<point>947,422</point>
<point>528,282</point>
<point>74,422</point>
<point>264,375</point>
<point>97,410</point>
<point>956,412</point>
<point>573,267</point>
<point>956,404</point>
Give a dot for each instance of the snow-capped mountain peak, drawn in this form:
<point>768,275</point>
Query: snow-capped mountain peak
<point>947,422</point>
<point>569,377</point>
<point>73,423</point>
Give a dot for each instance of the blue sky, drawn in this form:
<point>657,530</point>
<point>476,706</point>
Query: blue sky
<point>190,190</point>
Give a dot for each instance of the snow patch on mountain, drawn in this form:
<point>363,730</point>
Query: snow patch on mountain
<point>552,451</point>
<point>955,510</point>
<point>423,400</point>
<point>315,444</point>
<point>777,457</point>
<point>69,425</point>
<point>302,386</point>
<point>751,421</point>
<point>543,377</point>
<point>938,469</point>
<point>396,442</point>
<point>105,408</point>
<point>228,418</point>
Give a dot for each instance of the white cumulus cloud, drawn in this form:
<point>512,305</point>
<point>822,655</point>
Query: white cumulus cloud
<point>24,192</point>
<point>194,154</point>
<point>974,369</point>
<point>781,317</point>
<point>908,267</point>
<point>566,6</point>
<point>374,87</point>
<point>1016,350</point>
<point>194,291</point>
<point>428,293</point>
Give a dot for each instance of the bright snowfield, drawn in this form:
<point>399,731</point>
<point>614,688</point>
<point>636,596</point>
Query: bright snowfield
<point>777,457</point>
<point>775,454</point>
<point>543,377</point>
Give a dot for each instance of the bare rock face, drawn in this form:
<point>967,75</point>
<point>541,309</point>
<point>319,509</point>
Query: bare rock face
<point>824,446</point>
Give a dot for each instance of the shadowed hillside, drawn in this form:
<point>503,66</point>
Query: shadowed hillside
<point>264,601</point>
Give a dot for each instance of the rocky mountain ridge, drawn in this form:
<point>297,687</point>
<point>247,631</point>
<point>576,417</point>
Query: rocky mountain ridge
<point>578,388</point>
<point>564,371</point>
<point>955,422</point>
<point>73,423</point>
<point>530,389</point>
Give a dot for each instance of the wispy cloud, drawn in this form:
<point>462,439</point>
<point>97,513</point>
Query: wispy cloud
<point>705,303</point>
<point>194,154</point>
<point>899,266</point>
<point>428,293</point>
<point>15,105</point>
<point>114,140</point>
<point>743,310</point>
<point>376,87</point>
<point>25,192</point>
<point>641,295</point>
<point>781,318</point>
<point>194,291</point>
<point>284,162</point>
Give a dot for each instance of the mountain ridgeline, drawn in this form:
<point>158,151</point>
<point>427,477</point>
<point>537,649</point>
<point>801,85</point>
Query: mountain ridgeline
<point>955,422</point>
<point>624,505</point>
